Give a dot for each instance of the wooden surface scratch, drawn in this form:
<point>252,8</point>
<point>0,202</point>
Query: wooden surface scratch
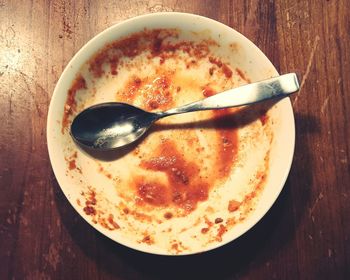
<point>308,68</point>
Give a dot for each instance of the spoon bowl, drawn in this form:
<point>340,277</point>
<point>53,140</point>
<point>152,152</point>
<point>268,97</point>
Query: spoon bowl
<point>110,125</point>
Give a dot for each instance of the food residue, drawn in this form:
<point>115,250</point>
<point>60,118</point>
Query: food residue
<point>233,205</point>
<point>98,216</point>
<point>148,240</point>
<point>221,231</point>
<point>225,68</point>
<point>168,215</point>
<point>72,162</point>
<point>155,94</point>
<point>242,75</point>
<point>187,160</point>
<point>70,106</point>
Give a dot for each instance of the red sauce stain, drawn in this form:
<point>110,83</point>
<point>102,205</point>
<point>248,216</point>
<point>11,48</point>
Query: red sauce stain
<point>130,46</point>
<point>215,61</point>
<point>178,247</point>
<point>227,151</point>
<point>71,164</point>
<point>221,231</point>
<point>112,222</point>
<point>102,221</point>
<point>227,71</point>
<point>175,247</point>
<point>185,187</point>
<point>233,205</point>
<point>98,216</point>
<point>264,118</point>
<point>228,138</point>
<point>91,200</point>
<point>148,240</point>
<point>90,203</point>
<point>208,91</point>
<point>208,222</point>
<point>136,214</point>
<point>153,192</point>
<point>141,216</point>
<point>155,41</point>
<point>108,223</point>
<point>224,67</point>
<point>158,96</point>
<point>155,94</point>
<point>131,89</point>
<point>230,222</point>
<point>104,172</point>
<point>112,53</point>
<point>195,50</point>
<point>209,225</point>
<point>168,215</point>
<point>70,106</point>
<point>157,46</point>
<point>114,64</point>
<point>211,71</point>
<point>201,50</point>
<point>96,64</point>
<point>192,141</point>
<point>242,75</point>
<point>89,210</point>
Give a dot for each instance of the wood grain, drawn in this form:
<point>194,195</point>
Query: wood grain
<point>306,233</point>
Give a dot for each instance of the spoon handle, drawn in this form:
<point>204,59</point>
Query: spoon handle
<point>251,93</point>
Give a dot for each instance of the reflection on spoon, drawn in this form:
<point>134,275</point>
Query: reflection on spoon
<point>112,125</point>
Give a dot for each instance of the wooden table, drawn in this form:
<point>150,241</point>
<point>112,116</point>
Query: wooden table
<point>306,233</point>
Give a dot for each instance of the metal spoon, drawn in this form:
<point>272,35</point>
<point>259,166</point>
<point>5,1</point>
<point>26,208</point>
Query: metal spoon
<point>111,125</point>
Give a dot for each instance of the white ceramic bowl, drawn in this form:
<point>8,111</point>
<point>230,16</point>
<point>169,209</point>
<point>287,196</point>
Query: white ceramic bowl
<point>245,55</point>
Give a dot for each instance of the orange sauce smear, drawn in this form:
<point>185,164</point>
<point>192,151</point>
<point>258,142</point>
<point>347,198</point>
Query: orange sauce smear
<point>242,75</point>
<point>129,47</point>
<point>224,121</point>
<point>71,106</point>
<point>224,67</point>
<point>155,94</point>
<point>185,187</point>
